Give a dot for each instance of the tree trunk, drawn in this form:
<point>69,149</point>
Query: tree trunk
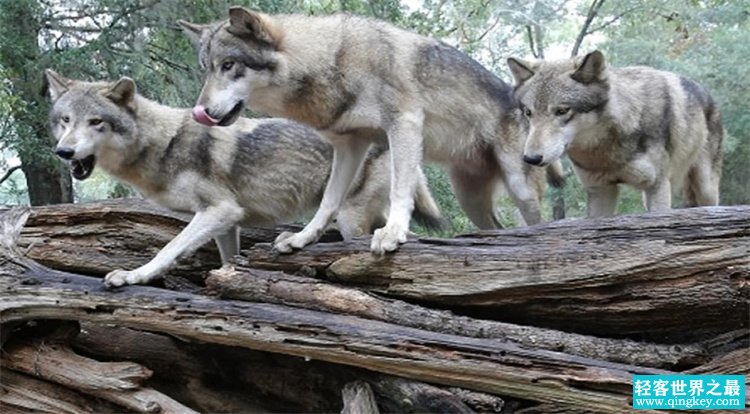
<point>47,181</point>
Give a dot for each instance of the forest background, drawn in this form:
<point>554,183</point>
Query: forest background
<point>708,41</point>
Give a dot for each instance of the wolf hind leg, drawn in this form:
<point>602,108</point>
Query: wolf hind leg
<point>405,141</point>
<point>701,186</point>
<point>659,196</point>
<point>476,196</point>
<point>228,243</point>
<point>348,156</point>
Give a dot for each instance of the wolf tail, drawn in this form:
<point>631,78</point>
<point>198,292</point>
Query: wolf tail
<point>426,211</point>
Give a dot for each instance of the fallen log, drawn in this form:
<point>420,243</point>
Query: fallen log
<point>94,238</point>
<point>668,277</point>
<point>238,281</point>
<point>283,383</point>
<point>120,383</point>
<point>469,357</point>
<point>675,276</point>
<point>20,393</point>
<point>29,291</point>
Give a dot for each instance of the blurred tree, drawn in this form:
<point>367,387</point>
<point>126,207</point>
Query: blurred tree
<point>22,64</point>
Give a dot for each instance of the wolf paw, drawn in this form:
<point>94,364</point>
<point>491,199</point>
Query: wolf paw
<point>288,242</point>
<point>119,277</point>
<point>387,239</point>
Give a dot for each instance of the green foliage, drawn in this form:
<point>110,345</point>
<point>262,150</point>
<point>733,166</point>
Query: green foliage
<point>105,39</point>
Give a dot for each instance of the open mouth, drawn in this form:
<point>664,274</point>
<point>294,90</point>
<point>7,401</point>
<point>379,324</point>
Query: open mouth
<point>232,116</point>
<point>82,169</point>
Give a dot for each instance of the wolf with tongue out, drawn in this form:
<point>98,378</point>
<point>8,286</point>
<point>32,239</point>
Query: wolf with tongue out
<point>247,174</point>
<point>361,81</point>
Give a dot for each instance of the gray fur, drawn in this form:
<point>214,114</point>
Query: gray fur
<point>358,80</point>
<point>651,129</point>
<point>257,171</point>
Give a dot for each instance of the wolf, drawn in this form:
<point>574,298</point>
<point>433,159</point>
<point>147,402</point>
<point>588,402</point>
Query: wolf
<point>654,130</point>
<point>256,172</point>
<point>359,81</point>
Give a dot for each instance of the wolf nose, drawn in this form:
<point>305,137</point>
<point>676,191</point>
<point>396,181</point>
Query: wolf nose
<point>65,153</point>
<point>533,159</point>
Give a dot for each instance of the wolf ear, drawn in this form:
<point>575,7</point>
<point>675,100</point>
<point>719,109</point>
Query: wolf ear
<point>248,24</point>
<point>58,84</point>
<point>590,69</point>
<point>192,30</point>
<point>520,70</point>
<point>122,92</point>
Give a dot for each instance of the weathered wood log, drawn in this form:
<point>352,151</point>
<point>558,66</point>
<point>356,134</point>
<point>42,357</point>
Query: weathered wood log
<point>674,276</point>
<point>238,281</point>
<point>20,393</point>
<point>487,365</point>
<point>116,382</point>
<point>359,399</point>
<point>94,238</point>
<point>285,383</point>
<point>671,277</point>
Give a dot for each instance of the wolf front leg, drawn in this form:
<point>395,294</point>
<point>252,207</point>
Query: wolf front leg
<point>659,196</point>
<point>348,155</point>
<point>215,220</point>
<point>521,189</point>
<point>405,140</point>
<point>602,200</point>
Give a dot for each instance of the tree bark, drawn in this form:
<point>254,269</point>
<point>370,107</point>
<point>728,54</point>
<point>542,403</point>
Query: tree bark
<point>485,365</point>
<point>238,281</point>
<point>673,277</point>
<point>285,383</point>
<point>20,393</point>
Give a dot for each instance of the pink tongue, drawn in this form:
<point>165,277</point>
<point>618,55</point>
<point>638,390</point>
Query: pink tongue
<point>200,115</point>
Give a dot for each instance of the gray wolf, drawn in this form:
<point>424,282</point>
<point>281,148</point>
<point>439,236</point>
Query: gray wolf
<point>360,81</point>
<point>654,130</point>
<point>257,172</point>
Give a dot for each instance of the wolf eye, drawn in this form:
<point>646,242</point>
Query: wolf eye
<point>65,119</point>
<point>526,111</point>
<point>95,121</point>
<point>228,65</point>
<point>562,111</point>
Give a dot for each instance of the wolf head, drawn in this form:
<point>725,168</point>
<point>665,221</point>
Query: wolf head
<point>87,118</point>
<point>560,100</point>
<point>240,56</point>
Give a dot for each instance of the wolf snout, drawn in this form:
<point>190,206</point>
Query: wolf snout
<point>533,159</point>
<point>200,115</point>
<point>65,152</point>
